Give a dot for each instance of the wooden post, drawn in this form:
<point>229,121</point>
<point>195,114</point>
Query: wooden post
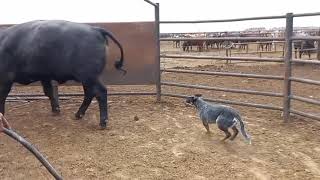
<point>287,63</point>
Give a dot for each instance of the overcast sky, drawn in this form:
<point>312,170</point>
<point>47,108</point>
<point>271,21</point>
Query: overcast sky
<point>18,11</point>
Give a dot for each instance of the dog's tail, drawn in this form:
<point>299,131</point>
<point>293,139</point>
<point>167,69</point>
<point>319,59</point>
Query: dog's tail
<point>243,131</point>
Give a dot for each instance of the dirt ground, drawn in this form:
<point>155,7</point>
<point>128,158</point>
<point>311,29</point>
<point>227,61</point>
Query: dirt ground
<point>168,141</point>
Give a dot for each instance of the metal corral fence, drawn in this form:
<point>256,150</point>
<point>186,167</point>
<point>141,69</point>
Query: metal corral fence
<point>287,77</point>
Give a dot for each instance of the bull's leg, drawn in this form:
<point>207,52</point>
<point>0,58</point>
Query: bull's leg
<point>88,96</point>
<point>4,91</point>
<point>103,104</point>
<point>51,91</point>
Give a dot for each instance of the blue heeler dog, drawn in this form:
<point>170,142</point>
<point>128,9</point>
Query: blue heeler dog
<point>224,116</point>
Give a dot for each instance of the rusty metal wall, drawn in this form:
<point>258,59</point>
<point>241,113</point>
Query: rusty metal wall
<point>139,44</point>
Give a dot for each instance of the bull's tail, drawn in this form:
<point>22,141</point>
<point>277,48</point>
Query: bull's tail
<point>118,64</point>
<point>243,131</point>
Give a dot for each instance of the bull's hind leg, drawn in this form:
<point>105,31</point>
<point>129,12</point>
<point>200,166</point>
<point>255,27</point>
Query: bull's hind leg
<point>88,96</point>
<point>235,133</point>
<point>4,91</point>
<point>52,92</point>
<point>101,96</point>
<point>95,89</point>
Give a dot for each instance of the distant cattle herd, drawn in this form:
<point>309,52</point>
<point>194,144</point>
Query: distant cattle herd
<point>301,47</point>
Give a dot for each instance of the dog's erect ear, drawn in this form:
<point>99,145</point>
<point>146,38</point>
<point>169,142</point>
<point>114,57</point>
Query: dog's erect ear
<point>191,99</point>
<point>198,95</point>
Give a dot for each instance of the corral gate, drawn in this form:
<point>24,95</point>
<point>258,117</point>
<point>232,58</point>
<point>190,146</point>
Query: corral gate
<point>287,77</point>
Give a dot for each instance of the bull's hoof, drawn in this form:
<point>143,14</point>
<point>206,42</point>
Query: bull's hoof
<point>79,116</point>
<point>103,126</point>
<point>56,112</point>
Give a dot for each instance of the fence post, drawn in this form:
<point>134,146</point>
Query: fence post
<point>318,50</point>
<point>157,33</point>
<point>157,21</point>
<point>287,63</point>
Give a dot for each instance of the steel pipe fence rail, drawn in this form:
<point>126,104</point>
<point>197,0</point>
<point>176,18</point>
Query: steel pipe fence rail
<point>32,98</point>
<point>310,49</point>
<point>307,81</point>
<point>259,52</point>
<point>308,115</point>
<point>225,39</point>
<point>305,38</point>
<point>306,14</point>
<point>316,62</point>
<point>272,94</point>
<point>305,100</point>
<point>224,74</point>
<point>223,20</point>
<point>229,102</point>
<point>81,94</point>
<point>151,3</point>
<point>260,42</point>
<point>223,58</point>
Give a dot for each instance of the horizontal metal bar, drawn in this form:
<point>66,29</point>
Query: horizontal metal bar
<point>306,61</point>
<point>153,4</point>
<point>225,39</point>
<point>223,20</point>
<point>260,42</point>
<point>229,102</point>
<point>223,58</point>
<point>223,89</point>
<point>306,14</point>
<point>31,98</point>
<point>305,38</point>
<point>309,49</point>
<point>306,100</point>
<point>81,94</point>
<point>311,116</point>
<point>302,80</point>
<point>224,74</point>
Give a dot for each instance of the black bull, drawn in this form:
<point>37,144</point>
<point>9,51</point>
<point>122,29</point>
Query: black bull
<point>303,46</point>
<point>56,50</point>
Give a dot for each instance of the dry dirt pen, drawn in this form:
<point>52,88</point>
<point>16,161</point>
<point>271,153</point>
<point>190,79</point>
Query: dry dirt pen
<point>167,140</point>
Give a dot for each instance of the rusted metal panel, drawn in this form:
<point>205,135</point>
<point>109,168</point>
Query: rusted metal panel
<point>139,44</point>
